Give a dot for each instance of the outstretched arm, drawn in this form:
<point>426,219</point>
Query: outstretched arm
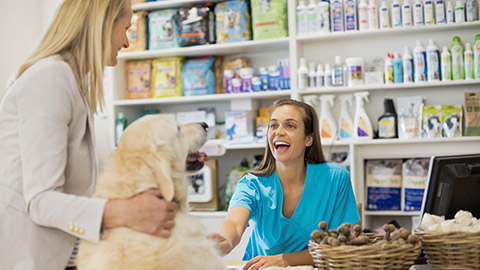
<point>231,229</point>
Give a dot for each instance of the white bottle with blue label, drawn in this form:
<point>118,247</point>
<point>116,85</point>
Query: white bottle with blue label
<point>396,14</point>
<point>350,11</point>
<point>372,15</point>
<point>407,66</point>
<point>450,13</point>
<point>418,13</point>
<point>433,62</point>
<point>428,12</point>
<point>323,16</point>
<point>384,16</point>
<point>440,12</point>
<point>338,72</point>
<point>302,20</point>
<point>336,15</point>
<point>407,19</point>
<point>419,62</point>
<point>312,21</point>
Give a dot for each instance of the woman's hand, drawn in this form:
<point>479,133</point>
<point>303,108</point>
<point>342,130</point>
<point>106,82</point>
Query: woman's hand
<point>222,243</point>
<point>146,212</point>
<point>261,262</point>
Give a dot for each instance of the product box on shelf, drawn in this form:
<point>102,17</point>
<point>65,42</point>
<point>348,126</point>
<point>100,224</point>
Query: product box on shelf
<point>472,114</point>
<point>166,77</point>
<point>196,26</point>
<point>138,79</point>
<point>136,34</point>
<point>233,21</point>
<point>269,19</point>
<point>383,182</point>
<point>239,126</point>
<point>414,178</point>
<point>162,29</point>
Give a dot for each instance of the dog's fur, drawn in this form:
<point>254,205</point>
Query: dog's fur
<point>152,153</point>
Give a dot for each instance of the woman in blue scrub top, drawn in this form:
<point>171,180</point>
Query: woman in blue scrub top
<point>288,194</point>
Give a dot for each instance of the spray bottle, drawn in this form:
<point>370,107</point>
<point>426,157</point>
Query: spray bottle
<point>345,122</point>
<point>476,57</point>
<point>328,125</point>
<point>362,125</point>
<point>313,101</point>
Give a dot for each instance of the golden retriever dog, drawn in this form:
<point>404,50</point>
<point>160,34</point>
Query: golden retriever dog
<point>152,153</point>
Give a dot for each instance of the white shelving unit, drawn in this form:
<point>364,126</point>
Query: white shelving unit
<point>318,49</point>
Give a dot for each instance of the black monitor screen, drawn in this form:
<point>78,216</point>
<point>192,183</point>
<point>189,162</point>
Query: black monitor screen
<point>453,185</point>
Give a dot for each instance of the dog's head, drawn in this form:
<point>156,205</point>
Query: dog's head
<point>164,146</point>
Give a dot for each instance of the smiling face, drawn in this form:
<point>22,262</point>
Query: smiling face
<point>119,32</point>
<point>286,134</point>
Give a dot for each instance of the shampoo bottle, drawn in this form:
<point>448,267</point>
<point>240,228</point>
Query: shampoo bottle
<point>328,125</point>
<point>323,16</point>
<point>350,13</point>
<point>458,71</point>
<point>396,14</point>
<point>433,62</point>
<point>338,72</point>
<point>468,60</point>
<point>428,12</point>
<point>345,122</point>
<point>372,15</point>
<point>120,126</point>
<point>336,15</point>
<point>362,126</point>
<point>407,19</point>
<point>446,62</point>
<point>384,16</point>
<point>397,68</point>
<point>302,13</point>
<point>440,11</point>
<point>363,15</point>
<point>302,74</point>
<point>319,76</point>
<point>419,63</point>
<point>459,12</point>
<point>471,10</point>
<point>407,66</point>
<point>311,75</point>
<point>418,13</point>
<point>387,122</point>
<point>476,57</point>
<point>450,13</point>
<point>312,21</point>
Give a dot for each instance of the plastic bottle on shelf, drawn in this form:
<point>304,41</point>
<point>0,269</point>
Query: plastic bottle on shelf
<point>458,69</point>
<point>459,12</point>
<point>428,12</point>
<point>397,68</point>
<point>236,85</point>
<point>328,125</point>
<point>350,13</point>
<point>120,126</point>
<point>362,126</point>
<point>345,122</point>
<point>419,63</point>
<point>407,19</point>
<point>311,75</point>
<point>387,122</point>
<point>471,10</point>
<point>407,66</point>
<point>446,65</point>
<point>273,78</point>
<point>476,57</point>
<point>440,12</point>
<point>264,78</point>
<point>312,21</point>
<point>327,76</point>
<point>228,74</point>
<point>336,15</point>
<point>433,62</point>
<point>468,60</point>
<point>319,76</point>
<point>388,69</point>
<point>302,28</point>
<point>302,74</point>
<point>363,15</point>
<point>354,71</point>
<point>384,16</point>
<point>338,72</point>
<point>323,16</point>
<point>246,75</point>
<point>396,14</point>
<point>450,13</point>
<point>418,13</point>
<point>372,15</point>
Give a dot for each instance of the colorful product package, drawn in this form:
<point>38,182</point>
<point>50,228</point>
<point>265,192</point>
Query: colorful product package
<point>197,77</point>
<point>138,79</point>
<point>432,121</point>
<point>409,117</point>
<point>452,119</point>
<point>235,64</point>
<point>414,176</point>
<point>162,28</point>
<point>239,126</point>
<point>137,33</point>
<point>233,21</point>
<point>166,77</point>
<point>384,181</point>
<point>262,128</point>
<point>196,26</point>
<point>472,114</point>
<point>269,19</point>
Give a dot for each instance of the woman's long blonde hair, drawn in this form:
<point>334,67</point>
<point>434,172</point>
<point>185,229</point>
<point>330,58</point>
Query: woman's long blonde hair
<point>83,29</point>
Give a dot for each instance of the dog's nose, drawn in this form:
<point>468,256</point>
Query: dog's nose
<point>204,125</point>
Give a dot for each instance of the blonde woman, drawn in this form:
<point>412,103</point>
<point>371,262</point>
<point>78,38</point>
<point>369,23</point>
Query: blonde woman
<point>47,158</point>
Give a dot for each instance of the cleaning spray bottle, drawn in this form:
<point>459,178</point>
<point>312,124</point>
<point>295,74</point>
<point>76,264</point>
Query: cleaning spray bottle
<point>328,125</point>
<point>345,122</point>
<point>362,125</point>
<point>313,101</point>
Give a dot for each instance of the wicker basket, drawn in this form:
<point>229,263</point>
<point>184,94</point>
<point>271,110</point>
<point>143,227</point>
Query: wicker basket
<point>452,250</point>
<point>367,257</point>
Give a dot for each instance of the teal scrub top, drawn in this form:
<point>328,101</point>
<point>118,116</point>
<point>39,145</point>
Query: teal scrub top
<point>327,195</point>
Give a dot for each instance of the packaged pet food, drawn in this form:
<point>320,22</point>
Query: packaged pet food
<point>196,26</point>
<point>233,21</point>
<point>163,30</point>
<point>472,114</point>
<point>414,175</point>
<point>137,33</point>
<point>409,117</point>
<point>384,181</point>
<point>166,77</point>
<point>432,121</point>
<point>452,119</point>
<point>138,79</point>
<point>269,19</point>
<point>197,77</point>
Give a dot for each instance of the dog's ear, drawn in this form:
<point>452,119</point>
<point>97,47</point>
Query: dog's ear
<point>162,172</point>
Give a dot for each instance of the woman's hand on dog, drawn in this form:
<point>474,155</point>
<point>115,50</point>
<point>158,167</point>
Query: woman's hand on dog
<point>222,243</point>
<point>146,212</point>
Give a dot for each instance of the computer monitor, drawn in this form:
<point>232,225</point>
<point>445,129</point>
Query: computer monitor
<point>453,185</point>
